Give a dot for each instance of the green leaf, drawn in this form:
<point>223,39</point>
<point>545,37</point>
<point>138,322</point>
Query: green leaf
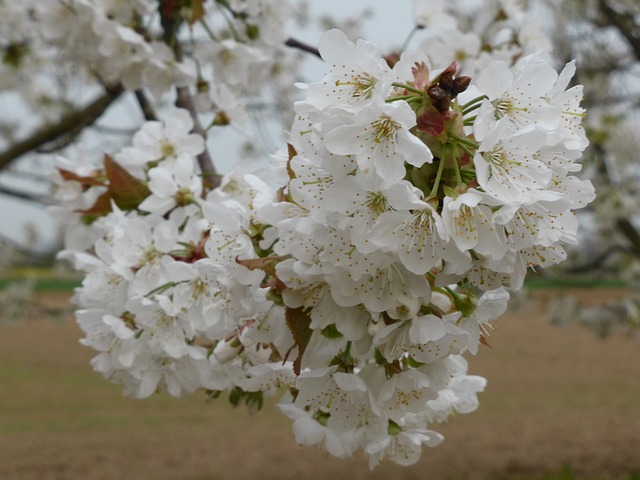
<point>450,192</point>
<point>298,321</point>
<point>126,190</point>
<point>331,331</point>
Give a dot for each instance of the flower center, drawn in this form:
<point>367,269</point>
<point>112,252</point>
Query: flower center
<point>362,84</point>
<point>385,129</point>
<point>168,149</point>
<point>377,203</point>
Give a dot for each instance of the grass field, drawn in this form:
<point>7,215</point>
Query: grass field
<point>561,404</point>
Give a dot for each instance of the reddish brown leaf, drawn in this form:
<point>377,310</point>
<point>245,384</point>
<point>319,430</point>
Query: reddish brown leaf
<point>101,207</point>
<point>267,264</point>
<point>298,321</point>
<point>84,181</point>
<point>127,191</point>
<point>483,341</point>
<point>431,122</point>
<point>292,153</point>
<point>197,11</point>
<point>421,75</point>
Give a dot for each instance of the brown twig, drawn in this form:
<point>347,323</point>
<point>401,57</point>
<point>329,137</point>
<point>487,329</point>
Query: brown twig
<point>293,43</point>
<point>30,197</point>
<point>625,25</point>
<point>145,106</point>
<point>73,121</point>
<point>170,20</point>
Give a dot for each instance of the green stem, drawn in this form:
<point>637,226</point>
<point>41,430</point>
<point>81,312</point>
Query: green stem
<point>228,20</point>
<point>471,108</point>
<point>469,121</point>
<point>456,168</point>
<point>468,174</point>
<point>466,150</point>
<point>471,102</point>
<point>464,141</point>
<point>408,88</point>
<point>347,350</point>
<point>161,288</point>
<point>436,183</point>
<point>453,294</point>
<point>400,97</point>
<point>207,29</point>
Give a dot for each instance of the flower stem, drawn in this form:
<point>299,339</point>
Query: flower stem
<point>471,108</point>
<point>472,102</point>
<point>409,88</point>
<point>464,141</point>
<point>207,29</point>
<point>400,97</point>
<point>436,183</point>
<point>469,121</point>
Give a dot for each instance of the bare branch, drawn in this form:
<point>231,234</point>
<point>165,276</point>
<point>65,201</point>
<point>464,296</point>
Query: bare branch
<point>41,199</point>
<point>293,43</point>
<point>185,100</point>
<point>629,231</point>
<point>170,25</point>
<point>625,25</point>
<point>145,106</point>
<point>74,121</point>
<point>595,264</point>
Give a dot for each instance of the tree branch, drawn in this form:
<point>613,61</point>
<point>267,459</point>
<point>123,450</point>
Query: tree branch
<point>41,199</point>
<point>625,25</point>
<point>596,263</point>
<point>72,122</point>
<point>629,231</point>
<point>185,100</point>
<point>293,43</point>
<point>145,106</point>
<point>171,22</point>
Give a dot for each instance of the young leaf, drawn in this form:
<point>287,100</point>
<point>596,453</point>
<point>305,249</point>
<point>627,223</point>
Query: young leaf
<point>101,207</point>
<point>298,321</point>
<point>267,264</point>
<point>84,181</point>
<point>197,11</point>
<point>292,153</point>
<point>126,190</point>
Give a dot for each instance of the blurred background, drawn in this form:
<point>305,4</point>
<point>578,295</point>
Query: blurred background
<point>563,399</point>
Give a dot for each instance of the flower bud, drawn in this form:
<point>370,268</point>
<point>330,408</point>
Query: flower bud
<point>446,81</point>
<point>459,85</point>
<point>225,351</point>
<point>442,301</point>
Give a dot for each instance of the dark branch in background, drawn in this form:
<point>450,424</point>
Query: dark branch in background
<point>597,263</point>
<point>630,232</point>
<point>185,100</point>
<point>145,106</point>
<point>171,21</point>
<point>6,242</point>
<point>625,25</point>
<point>41,199</point>
<point>72,122</point>
<point>293,43</point>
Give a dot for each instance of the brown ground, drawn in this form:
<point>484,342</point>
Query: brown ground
<point>555,397</point>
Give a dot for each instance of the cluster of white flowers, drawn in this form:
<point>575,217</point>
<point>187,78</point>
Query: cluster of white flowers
<point>410,198</point>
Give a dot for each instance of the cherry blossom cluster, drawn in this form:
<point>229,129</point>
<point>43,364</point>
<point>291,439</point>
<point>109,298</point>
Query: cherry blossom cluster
<point>409,198</point>
<point>219,48</point>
